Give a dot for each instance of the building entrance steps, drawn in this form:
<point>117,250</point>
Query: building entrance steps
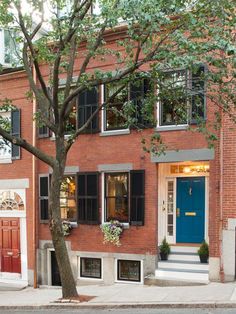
<point>183,265</point>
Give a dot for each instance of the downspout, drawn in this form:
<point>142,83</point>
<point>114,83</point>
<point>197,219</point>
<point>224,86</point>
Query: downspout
<point>35,229</point>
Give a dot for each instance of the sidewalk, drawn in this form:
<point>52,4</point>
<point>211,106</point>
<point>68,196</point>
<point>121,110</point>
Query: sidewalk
<point>126,295</point>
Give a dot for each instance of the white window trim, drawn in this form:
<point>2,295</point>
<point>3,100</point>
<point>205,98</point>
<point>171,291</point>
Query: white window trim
<point>109,132</point>
<point>89,278</point>
<point>125,224</point>
<point>141,282</point>
<point>170,239</point>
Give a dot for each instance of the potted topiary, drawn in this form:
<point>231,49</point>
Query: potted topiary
<point>164,250</point>
<point>203,252</point>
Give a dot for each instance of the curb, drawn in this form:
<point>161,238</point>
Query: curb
<point>100,306</point>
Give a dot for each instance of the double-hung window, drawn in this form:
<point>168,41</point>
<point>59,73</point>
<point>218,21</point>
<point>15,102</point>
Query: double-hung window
<point>83,107</point>
<point>10,121</point>
<point>9,48</point>
<point>117,206</point>
<point>115,115</point>
<point>124,197</point>
<point>78,197</point>
<point>182,97</point>
<point>68,198</point>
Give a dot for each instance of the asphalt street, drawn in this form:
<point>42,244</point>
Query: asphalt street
<point>124,311</point>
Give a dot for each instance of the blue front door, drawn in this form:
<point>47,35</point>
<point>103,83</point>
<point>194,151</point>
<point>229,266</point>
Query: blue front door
<point>190,210</point>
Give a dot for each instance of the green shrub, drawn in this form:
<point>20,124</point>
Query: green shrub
<point>204,249</point>
<point>164,247</point>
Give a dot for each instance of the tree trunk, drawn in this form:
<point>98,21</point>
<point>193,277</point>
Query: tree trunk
<point>67,278</point>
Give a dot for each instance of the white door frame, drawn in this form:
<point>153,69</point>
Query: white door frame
<point>18,186</point>
<point>163,177</point>
<point>23,245</point>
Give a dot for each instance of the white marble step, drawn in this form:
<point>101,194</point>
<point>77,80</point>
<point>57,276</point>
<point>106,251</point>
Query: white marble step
<point>184,249</point>
<point>190,276</point>
<point>196,266</point>
<point>184,257</point>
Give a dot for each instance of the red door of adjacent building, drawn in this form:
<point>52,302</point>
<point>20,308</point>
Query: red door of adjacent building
<point>10,245</point>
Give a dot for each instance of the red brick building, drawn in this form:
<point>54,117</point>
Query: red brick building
<point>186,195</point>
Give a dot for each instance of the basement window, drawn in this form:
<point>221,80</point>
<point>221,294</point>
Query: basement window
<point>129,270</point>
<point>90,267</point>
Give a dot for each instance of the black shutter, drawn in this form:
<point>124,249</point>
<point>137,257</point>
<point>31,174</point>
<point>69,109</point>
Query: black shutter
<point>138,92</point>
<point>198,99</point>
<point>137,197</point>
<point>43,197</point>
<point>88,198</point>
<point>43,130</point>
<point>15,131</point>
<point>87,105</point>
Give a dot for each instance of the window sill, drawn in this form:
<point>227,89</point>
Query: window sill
<point>66,137</point>
<point>172,128</point>
<point>74,224</point>
<point>6,161</point>
<point>115,132</point>
<point>125,225</point>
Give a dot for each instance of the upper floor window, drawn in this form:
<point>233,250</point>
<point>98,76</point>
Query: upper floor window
<point>115,115</point>
<point>8,48</point>
<point>11,122</point>
<point>182,97</point>
<point>83,106</point>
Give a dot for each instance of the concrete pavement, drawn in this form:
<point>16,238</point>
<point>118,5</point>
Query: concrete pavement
<point>126,295</point>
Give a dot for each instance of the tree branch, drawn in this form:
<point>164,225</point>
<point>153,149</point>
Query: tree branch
<point>30,148</point>
<point>32,51</point>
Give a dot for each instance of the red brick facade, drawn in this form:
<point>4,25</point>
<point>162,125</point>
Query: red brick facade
<point>93,150</point>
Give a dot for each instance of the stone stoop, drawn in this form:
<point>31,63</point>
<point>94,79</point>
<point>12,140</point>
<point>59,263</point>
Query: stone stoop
<point>183,265</point>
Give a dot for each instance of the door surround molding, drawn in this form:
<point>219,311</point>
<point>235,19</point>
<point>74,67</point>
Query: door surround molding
<point>163,177</point>
<point>23,245</point>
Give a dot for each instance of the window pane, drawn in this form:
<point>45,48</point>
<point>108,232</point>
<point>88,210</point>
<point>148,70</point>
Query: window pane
<point>170,207</point>
<point>173,98</point>
<point>114,116</point>
<point>117,197</point>
<point>129,270</point>
<point>198,91</point>
<point>90,267</point>
<point>67,198</point>
<point>71,122</point>
<point>11,47</point>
